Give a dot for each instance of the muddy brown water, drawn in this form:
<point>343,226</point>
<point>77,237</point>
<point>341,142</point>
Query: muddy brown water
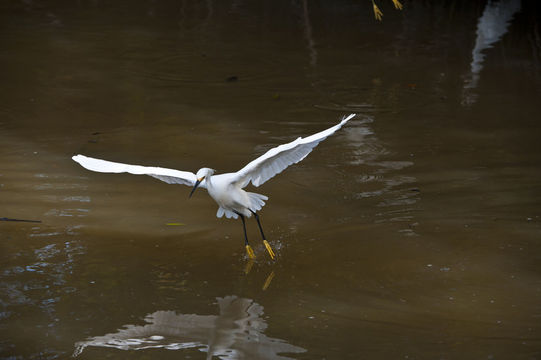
<point>412,233</point>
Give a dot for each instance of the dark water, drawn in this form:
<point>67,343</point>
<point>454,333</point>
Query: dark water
<point>413,233</point>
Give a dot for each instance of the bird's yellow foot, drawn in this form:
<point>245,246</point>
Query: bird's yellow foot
<point>250,252</point>
<point>269,249</point>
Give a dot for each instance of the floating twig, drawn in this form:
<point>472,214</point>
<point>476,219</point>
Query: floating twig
<point>20,220</point>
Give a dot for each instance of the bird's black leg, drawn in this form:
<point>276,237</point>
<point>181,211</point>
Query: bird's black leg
<point>265,242</point>
<point>249,249</point>
<point>259,224</point>
<point>244,227</point>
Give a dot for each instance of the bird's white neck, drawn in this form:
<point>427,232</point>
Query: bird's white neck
<point>208,181</point>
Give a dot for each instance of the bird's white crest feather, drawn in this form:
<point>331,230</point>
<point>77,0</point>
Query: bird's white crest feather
<point>279,158</point>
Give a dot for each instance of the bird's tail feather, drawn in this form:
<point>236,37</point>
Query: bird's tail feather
<point>257,200</point>
<point>228,213</point>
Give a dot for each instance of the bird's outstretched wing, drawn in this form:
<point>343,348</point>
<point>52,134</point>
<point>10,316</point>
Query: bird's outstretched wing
<point>277,159</point>
<point>169,176</point>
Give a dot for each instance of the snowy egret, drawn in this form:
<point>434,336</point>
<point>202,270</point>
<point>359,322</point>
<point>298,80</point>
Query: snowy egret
<point>227,189</point>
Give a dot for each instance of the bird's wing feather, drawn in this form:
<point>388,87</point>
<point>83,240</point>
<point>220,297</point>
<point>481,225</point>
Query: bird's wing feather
<point>169,176</point>
<point>279,158</point>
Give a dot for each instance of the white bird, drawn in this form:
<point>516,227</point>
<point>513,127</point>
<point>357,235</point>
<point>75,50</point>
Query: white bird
<point>227,189</point>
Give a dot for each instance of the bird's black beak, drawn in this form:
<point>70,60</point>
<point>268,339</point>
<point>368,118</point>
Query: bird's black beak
<point>196,185</point>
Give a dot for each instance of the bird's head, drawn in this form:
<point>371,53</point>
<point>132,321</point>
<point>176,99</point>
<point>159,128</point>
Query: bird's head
<point>202,174</point>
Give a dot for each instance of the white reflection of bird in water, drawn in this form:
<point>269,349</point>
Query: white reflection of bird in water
<point>236,333</point>
<point>308,34</point>
<point>492,25</point>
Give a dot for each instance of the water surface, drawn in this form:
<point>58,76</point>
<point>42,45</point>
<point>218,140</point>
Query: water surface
<point>414,232</point>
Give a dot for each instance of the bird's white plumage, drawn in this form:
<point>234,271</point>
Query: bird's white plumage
<point>279,158</point>
<point>169,176</point>
<point>227,189</point>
